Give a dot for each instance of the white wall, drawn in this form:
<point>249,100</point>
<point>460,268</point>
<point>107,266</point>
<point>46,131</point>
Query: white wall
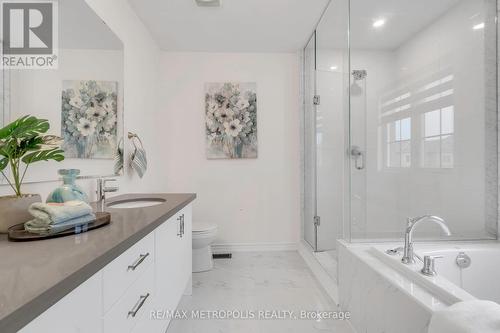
<point>251,200</point>
<point>141,61</point>
<point>141,58</point>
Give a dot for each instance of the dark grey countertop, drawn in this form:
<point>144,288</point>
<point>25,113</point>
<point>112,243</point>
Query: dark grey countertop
<point>35,275</point>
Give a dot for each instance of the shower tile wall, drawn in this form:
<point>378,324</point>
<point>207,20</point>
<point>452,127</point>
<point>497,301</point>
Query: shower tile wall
<point>448,50</point>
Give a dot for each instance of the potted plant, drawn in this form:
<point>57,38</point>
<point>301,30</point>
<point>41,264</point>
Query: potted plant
<point>23,143</point>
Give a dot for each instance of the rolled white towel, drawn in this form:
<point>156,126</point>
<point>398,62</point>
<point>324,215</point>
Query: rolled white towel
<point>35,227</point>
<point>467,317</point>
<point>48,214</point>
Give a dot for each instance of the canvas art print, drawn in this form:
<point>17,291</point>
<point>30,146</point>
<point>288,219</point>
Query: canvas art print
<point>231,120</point>
<point>89,119</point>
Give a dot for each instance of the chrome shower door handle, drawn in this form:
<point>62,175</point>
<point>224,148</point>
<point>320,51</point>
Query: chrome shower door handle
<point>359,157</point>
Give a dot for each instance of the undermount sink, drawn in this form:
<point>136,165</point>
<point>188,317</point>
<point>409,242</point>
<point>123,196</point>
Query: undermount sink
<point>135,203</point>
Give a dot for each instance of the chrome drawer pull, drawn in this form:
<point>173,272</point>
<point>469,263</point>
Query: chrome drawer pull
<point>138,262</point>
<point>138,305</point>
<point>181,225</point>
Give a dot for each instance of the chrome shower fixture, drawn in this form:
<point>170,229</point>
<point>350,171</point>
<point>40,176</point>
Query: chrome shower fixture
<point>359,74</point>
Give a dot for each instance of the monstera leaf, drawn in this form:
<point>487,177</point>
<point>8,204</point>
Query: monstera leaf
<point>55,154</point>
<point>25,127</point>
<point>23,141</point>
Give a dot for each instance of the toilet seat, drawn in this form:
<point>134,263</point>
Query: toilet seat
<point>200,228</point>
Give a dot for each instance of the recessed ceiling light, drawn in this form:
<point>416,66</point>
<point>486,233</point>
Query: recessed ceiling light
<point>378,23</point>
<point>333,68</point>
<point>209,3</point>
<point>478,26</point>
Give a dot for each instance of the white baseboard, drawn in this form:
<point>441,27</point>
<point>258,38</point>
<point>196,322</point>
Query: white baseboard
<point>253,247</point>
<point>325,280</point>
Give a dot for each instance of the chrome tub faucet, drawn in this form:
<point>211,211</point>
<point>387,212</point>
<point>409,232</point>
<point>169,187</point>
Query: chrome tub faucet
<point>408,255</point>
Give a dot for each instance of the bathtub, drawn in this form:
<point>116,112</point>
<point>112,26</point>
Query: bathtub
<point>385,295</point>
<point>479,280</point>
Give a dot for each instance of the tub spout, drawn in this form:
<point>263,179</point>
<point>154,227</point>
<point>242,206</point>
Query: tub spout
<point>408,255</point>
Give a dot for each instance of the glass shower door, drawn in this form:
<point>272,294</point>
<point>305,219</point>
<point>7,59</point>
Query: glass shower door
<point>326,108</point>
<point>310,232</point>
<point>331,86</point>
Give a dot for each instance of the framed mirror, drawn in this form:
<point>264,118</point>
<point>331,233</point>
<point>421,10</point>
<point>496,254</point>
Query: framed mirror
<point>82,98</point>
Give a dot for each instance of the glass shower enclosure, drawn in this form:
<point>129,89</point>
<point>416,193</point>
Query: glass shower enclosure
<point>326,76</point>
<point>400,120</point>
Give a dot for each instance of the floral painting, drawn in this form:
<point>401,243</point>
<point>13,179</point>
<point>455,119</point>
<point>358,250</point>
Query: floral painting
<point>89,119</point>
<point>231,120</point>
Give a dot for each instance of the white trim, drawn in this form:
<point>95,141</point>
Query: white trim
<point>253,247</point>
<point>325,280</point>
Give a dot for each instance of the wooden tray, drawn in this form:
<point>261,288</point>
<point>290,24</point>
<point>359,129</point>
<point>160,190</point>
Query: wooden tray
<point>18,234</point>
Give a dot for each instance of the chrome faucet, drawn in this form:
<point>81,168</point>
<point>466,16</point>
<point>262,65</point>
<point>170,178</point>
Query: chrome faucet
<point>102,189</point>
<point>408,255</point>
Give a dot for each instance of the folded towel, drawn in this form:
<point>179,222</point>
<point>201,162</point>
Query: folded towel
<point>37,226</point>
<point>118,167</point>
<point>138,159</point>
<point>48,214</point>
<point>139,162</point>
<point>467,317</point>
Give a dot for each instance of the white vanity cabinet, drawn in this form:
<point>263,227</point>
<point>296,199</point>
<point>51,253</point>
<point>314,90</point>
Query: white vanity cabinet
<point>77,312</point>
<point>150,276</point>
<point>173,249</point>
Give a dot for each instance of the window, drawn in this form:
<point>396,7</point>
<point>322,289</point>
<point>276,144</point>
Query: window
<point>399,143</point>
<point>416,114</point>
<point>437,144</point>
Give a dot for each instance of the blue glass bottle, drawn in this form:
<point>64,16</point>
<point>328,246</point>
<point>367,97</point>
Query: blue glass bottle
<point>68,191</point>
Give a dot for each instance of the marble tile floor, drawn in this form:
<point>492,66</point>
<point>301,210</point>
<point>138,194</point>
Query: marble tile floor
<point>264,281</point>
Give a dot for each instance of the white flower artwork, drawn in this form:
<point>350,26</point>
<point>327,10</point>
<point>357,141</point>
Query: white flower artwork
<point>89,119</point>
<point>231,120</point>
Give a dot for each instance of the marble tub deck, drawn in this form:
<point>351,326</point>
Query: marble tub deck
<point>258,281</point>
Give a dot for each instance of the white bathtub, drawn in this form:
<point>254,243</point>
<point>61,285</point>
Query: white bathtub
<point>453,283</point>
<point>385,295</point>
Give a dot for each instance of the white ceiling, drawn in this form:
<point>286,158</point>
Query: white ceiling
<point>81,28</point>
<point>404,18</point>
<point>237,26</point>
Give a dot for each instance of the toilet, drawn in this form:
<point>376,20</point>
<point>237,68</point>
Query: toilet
<point>203,237</point>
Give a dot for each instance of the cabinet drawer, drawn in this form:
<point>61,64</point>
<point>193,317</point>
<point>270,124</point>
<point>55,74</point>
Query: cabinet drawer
<point>124,270</point>
<point>132,306</point>
<point>77,312</point>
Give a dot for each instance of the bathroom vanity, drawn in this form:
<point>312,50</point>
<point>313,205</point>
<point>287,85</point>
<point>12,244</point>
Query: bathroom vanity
<point>107,280</point>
